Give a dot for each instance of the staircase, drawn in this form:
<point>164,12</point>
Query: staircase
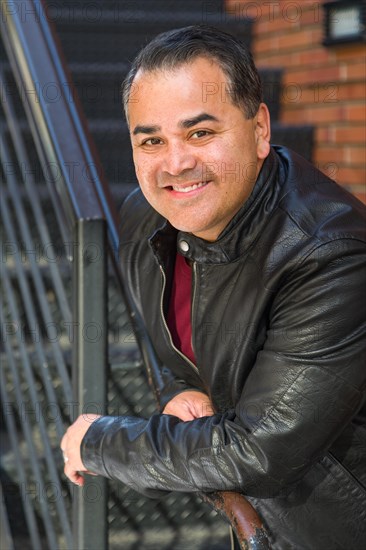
<point>99,40</point>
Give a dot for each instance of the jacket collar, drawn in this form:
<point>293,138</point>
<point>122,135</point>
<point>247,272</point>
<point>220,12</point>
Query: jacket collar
<point>239,235</point>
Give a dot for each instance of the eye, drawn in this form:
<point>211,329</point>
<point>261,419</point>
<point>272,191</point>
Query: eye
<point>152,141</point>
<point>200,134</point>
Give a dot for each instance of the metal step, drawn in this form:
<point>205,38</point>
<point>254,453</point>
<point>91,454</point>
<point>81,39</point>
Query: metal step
<point>120,42</point>
<point>97,7</point>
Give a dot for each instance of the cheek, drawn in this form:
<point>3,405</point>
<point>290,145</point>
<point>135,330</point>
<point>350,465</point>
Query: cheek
<point>249,171</point>
<point>226,153</point>
<point>143,169</point>
<point>215,160</point>
<point>245,162</point>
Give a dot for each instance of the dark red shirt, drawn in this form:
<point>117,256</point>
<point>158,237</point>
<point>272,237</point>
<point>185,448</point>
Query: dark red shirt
<point>179,314</point>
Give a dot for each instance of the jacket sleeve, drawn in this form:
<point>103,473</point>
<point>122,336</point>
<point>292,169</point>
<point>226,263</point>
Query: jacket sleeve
<point>307,383</point>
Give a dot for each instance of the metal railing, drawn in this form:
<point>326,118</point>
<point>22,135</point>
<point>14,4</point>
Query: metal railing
<point>85,223</point>
<point>61,144</point>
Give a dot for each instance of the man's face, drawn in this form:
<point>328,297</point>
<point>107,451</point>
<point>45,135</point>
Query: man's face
<point>196,155</point>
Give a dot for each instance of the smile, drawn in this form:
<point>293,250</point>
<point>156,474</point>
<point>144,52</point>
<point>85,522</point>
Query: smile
<point>189,188</point>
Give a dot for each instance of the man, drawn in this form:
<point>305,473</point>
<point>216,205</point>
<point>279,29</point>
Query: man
<point>263,362</point>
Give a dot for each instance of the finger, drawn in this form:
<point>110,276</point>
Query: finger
<point>182,414</point>
<point>187,416</point>
<point>206,411</point>
<point>74,476</point>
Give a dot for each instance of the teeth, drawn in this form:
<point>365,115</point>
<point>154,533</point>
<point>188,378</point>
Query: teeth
<point>190,188</point>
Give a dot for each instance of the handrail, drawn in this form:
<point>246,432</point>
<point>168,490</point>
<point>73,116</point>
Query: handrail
<point>62,142</point>
<point>58,127</point>
<point>244,520</point>
<point>61,137</point>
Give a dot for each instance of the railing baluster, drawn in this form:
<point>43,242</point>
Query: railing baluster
<point>40,288</point>
<point>29,511</point>
<point>90,369</point>
<point>31,188</point>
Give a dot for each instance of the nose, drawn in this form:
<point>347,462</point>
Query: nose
<point>179,157</point>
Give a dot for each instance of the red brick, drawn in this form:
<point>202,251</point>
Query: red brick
<point>312,13</point>
<point>265,44</point>
<point>325,114</point>
<point>324,135</point>
<point>299,39</point>
<point>321,94</point>
<point>355,71</point>
<point>274,43</point>
<point>316,56</point>
<point>317,75</point>
<point>356,112</point>
<point>324,93</point>
<point>325,154</point>
<point>349,53</point>
<point>277,59</point>
<point>351,175</point>
<point>288,15</point>
<point>294,116</point>
<point>350,134</point>
<point>315,113</point>
<point>264,25</point>
<point>348,91</point>
<point>355,155</point>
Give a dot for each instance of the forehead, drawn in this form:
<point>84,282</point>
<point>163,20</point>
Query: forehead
<point>200,84</point>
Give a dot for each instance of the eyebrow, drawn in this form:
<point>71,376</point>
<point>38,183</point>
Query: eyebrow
<point>187,123</point>
<point>202,117</point>
<point>146,130</point>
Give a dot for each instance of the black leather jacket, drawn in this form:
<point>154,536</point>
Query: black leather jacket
<point>278,318</point>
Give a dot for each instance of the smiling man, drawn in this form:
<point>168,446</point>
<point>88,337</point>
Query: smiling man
<point>247,265</point>
<point>196,156</point>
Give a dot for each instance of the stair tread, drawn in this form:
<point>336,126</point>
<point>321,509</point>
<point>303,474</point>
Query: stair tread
<point>146,20</point>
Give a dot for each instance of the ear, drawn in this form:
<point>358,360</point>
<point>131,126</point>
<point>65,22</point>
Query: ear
<point>263,131</point>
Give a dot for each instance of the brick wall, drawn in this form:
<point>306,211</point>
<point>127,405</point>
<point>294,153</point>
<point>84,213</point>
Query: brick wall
<point>323,86</point>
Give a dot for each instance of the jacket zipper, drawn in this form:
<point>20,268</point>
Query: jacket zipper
<point>193,302</point>
<point>349,474</point>
<point>166,326</point>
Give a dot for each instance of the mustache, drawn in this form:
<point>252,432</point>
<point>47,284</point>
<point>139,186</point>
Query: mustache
<point>204,174</point>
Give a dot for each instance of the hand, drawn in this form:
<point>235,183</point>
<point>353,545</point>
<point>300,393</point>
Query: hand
<point>189,405</point>
<point>70,447</point>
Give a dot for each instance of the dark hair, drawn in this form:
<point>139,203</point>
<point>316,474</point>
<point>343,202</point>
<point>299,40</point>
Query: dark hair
<point>171,49</point>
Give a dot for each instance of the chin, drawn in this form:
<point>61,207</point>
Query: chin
<point>184,224</point>
<point>183,227</point>
<point>189,224</point>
